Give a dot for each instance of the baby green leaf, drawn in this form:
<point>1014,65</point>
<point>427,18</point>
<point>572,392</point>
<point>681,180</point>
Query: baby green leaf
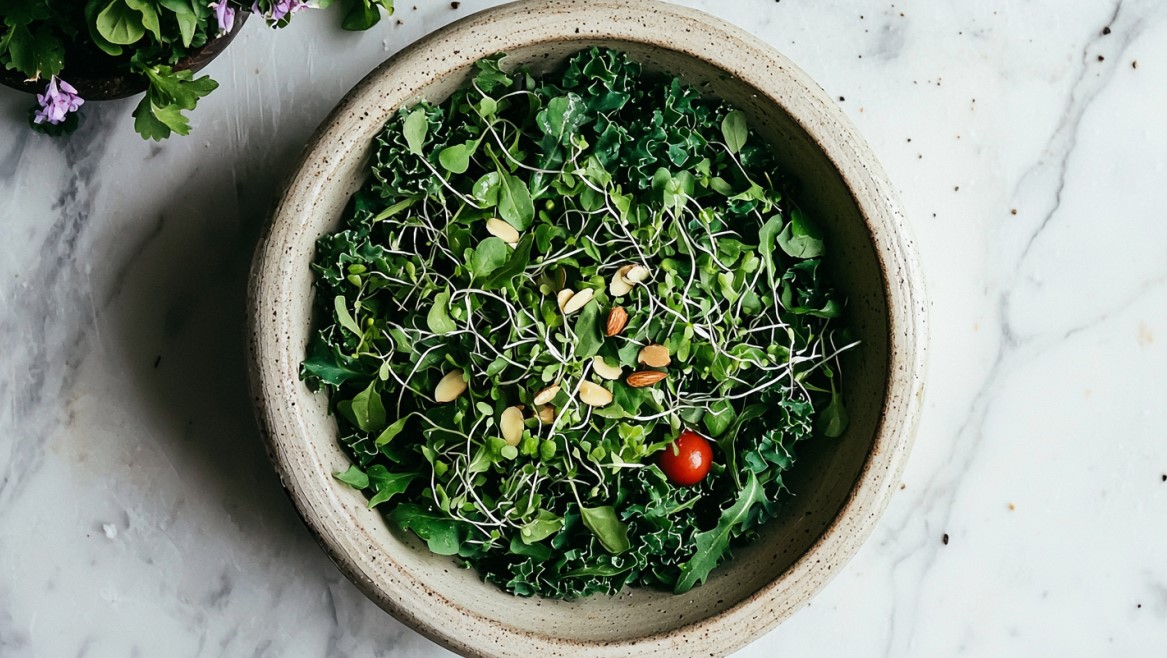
<point>386,484</point>
<point>800,238</point>
<point>438,318</point>
<point>415,128</point>
<point>541,527</point>
<point>587,332</point>
<point>393,430</point>
<point>602,521</point>
<point>353,477</point>
<point>733,129</point>
<point>833,420</point>
<point>514,202</point>
<point>342,316</point>
<point>456,159</point>
<point>442,534</point>
<point>516,263</point>
<point>719,417</point>
<point>368,410</point>
<point>490,254</point>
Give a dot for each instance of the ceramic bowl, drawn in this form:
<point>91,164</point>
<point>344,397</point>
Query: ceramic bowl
<point>841,486</point>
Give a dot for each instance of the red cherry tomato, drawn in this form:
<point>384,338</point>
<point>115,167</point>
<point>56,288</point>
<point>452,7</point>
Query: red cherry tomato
<point>687,459</point>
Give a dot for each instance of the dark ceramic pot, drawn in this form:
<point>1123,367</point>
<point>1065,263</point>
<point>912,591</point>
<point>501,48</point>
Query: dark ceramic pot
<point>100,78</point>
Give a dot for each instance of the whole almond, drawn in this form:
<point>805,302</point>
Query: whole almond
<point>544,395</point>
<point>594,395</point>
<point>654,356</point>
<point>642,378</point>
<point>511,425</point>
<point>578,301</point>
<point>617,319</point>
<point>450,387</point>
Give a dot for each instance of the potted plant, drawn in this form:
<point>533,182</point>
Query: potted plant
<point>70,51</point>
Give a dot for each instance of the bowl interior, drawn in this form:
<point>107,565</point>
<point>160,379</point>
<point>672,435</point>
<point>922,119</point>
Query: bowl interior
<point>796,553</point>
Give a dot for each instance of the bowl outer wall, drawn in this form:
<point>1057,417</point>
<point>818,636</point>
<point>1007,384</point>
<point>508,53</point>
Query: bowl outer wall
<point>305,451</point>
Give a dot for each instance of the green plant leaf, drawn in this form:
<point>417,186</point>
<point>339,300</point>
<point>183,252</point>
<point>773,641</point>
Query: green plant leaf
<point>353,477</point>
<point>368,410</point>
<point>456,159</point>
<point>734,130</point>
<point>442,534</point>
<point>515,265</point>
<point>416,126</point>
<point>490,254</point>
<point>541,527</point>
<point>438,318</point>
<point>587,332</point>
<point>391,431</point>
<point>386,484</point>
<point>711,544</point>
<point>119,24</point>
<point>514,202</point>
<point>611,532</point>
<point>800,238</point>
<point>832,420</point>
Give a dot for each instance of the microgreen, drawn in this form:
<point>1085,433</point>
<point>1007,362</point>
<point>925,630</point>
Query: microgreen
<point>472,284</point>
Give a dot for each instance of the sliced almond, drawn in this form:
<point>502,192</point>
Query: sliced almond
<point>450,387</point>
<point>611,373</point>
<point>618,286</point>
<point>503,231</point>
<point>636,274</point>
<point>544,395</point>
<point>578,301</point>
<point>563,297</point>
<point>594,395</point>
<point>511,425</point>
<point>642,378</point>
<point>545,413</point>
<point>654,356</point>
<point>617,320</point>
<point>623,272</point>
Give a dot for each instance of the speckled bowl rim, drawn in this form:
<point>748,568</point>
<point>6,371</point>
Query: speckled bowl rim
<point>272,360</point>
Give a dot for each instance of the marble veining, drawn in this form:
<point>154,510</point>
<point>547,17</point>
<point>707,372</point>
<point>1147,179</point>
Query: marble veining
<point>139,514</point>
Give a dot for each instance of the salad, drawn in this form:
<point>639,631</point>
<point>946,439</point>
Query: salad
<point>573,331</point>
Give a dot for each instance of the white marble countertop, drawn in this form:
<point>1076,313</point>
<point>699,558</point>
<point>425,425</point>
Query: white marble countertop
<point>139,515</point>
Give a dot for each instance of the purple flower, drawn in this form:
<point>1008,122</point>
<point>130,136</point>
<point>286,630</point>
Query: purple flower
<point>59,99</point>
<point>281,9</point>
<point>224,16</point>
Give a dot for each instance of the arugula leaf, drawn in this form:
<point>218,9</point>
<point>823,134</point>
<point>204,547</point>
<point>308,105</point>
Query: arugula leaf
<point>353,477</point>
<point>712,544</point>
<point>386,484</point>
<point>515,264</point>
<point>442,535</point>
